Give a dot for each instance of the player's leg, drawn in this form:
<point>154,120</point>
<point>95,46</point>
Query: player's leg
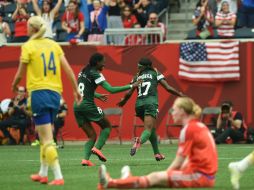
<point>155,179</point>
<point>82,118</point>
<point>91,134</point>
<point>238,168</point>
<point>106,128</point>
<point>45,105</point>
<point>154,142</point>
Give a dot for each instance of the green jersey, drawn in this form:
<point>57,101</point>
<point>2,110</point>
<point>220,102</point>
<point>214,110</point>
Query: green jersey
<point>87,84</point>
<point>147,91</point>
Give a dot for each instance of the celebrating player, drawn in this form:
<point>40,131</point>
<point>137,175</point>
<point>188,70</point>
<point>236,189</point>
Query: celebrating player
<point>85,113</point>
<point>42,59</point>
<point>147,104</point>
<point>194,166</point>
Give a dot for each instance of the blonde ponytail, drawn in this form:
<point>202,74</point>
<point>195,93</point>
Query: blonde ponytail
<point>37,23</point>
<point>189,106</point>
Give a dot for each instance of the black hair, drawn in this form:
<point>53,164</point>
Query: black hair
<point>94,59</point>
<point>145,62</point>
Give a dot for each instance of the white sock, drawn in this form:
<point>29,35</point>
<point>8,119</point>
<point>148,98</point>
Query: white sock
<point>43,170</point>
<point>57,171</point>
<point>245,163</point>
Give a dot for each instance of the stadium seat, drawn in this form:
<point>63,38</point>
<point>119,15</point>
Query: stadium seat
<point>30,8</point>
<point>62,8</point>
<point>115,115</point>
<point>244,33</point>
<point>10,8</point>
<point>170,123</point>
<point>61,36</point>
<point>209,117</point>
<point>58,26</point>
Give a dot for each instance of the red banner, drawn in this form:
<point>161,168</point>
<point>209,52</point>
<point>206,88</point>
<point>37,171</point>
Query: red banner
<point>121,65</point>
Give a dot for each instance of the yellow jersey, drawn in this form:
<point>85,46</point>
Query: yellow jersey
<point>42,57</point>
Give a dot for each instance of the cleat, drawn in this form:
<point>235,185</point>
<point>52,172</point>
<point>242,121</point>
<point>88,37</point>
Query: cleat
<point>35,143</point>
<point>159,157</point>
<point>125,172</point>
<point>87,163</point>
<point>235,175</point>
<point>99,154</point>
<point>38,178</point>
<point>57,182</point>
<point>103,178</point>
<point>136,146</point>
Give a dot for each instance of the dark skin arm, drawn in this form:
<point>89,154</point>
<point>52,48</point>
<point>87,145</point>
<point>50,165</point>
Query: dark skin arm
<point>126,97</point>
<point>170,89</point>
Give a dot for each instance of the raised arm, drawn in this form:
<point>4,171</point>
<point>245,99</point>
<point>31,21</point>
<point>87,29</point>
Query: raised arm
<point>57,7</point>
<point>36,7</point>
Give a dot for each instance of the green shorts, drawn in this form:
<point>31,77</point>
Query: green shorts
<point>147,109</point>
<point>87,114</point>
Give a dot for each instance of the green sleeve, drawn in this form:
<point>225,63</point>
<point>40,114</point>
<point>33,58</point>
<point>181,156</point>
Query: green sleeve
<point>97,95</point>
<point>114,89</point>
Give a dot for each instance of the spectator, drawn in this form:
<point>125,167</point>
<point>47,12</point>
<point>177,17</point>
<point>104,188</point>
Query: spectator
<point>4,30</point>
<point>230,124</point>
<point>246,14</point>
<point>153,22</point>
<point>203,19</point>
<point>98,20</point>
<point>18,116</point>
<point>48,13</point>
<point>20,17</point>
<point>129,20</point>
<point>232,5</point>
<point>225,21</point>
<point>60,118</point>
<point>115,21</point>
<point>142,10</point>
<point>73,22</point>
<point>135,39</point>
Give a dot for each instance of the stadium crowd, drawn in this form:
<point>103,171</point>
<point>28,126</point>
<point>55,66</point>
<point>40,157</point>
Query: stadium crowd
<point>78,20</point>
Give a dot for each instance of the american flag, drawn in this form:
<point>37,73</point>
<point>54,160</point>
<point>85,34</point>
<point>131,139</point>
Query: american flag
<point>209,61</point>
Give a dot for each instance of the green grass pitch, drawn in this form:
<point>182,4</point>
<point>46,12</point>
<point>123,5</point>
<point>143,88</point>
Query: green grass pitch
<point>18,162</point>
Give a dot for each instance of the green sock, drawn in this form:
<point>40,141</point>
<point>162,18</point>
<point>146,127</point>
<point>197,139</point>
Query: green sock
<point>145,136</point>
<point>87,149</point>
<point>102,138</point>
<point>154,141</point>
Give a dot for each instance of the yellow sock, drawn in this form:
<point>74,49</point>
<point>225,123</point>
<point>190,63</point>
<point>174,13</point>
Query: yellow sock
<point>51,155</point>
<point>52,160</point>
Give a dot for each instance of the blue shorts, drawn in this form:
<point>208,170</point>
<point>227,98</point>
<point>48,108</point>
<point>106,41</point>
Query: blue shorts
<point>45,105</point>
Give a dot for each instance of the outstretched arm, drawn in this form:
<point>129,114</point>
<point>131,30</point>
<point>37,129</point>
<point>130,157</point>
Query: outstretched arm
<point>36,7</point>
<point>170,89</point>
<point>126,97</point>
<point>116,89</point>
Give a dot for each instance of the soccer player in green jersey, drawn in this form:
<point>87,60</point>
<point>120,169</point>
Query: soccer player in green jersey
<point>147,104</point>
<point>86,112</point>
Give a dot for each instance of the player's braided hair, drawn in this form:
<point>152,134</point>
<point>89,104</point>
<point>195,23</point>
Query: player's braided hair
<point>147,65</point>
<point>94,59</point>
